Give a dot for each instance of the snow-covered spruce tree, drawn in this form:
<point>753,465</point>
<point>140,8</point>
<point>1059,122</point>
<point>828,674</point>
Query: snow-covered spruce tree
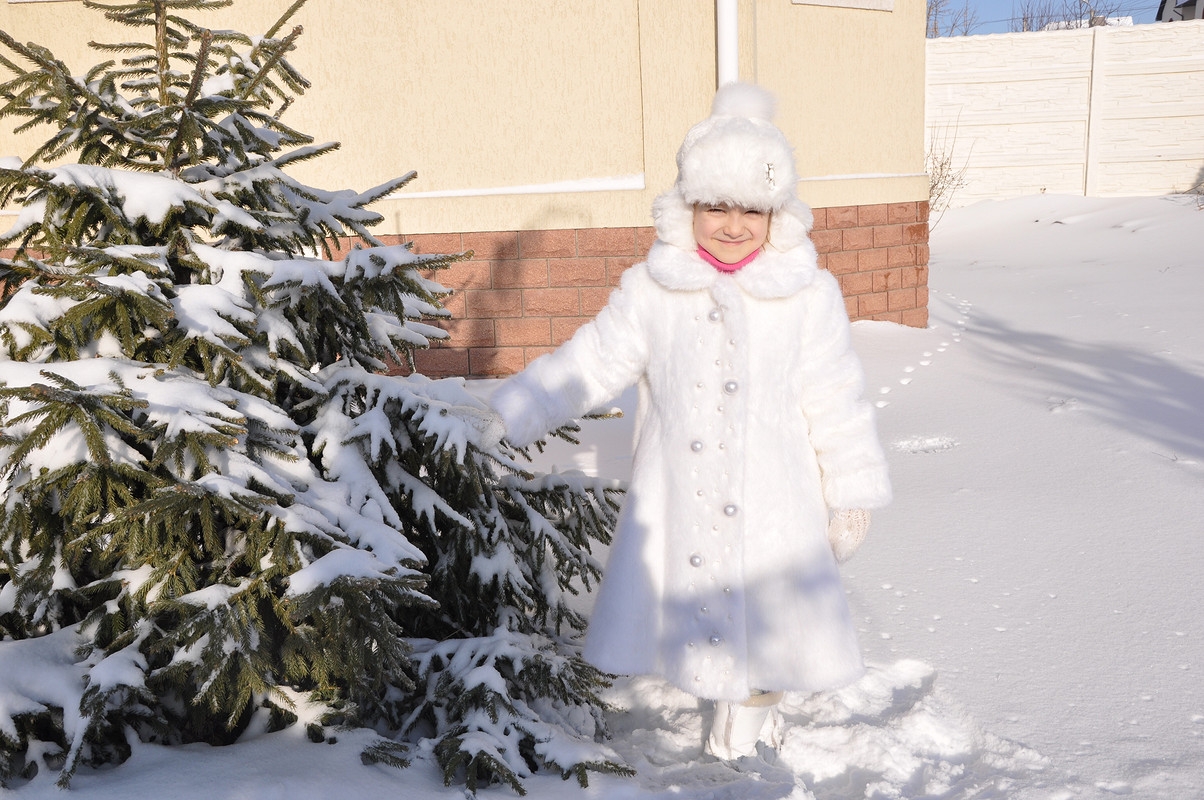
<point>217,516</point>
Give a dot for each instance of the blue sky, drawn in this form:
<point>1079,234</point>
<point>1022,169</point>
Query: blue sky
<point>994,16</point>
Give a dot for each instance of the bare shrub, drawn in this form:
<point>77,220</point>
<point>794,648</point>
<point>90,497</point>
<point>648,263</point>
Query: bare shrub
<point>945,175</point>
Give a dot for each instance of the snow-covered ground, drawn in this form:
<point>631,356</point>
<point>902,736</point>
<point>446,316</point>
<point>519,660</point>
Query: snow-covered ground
<point>1030,606</point>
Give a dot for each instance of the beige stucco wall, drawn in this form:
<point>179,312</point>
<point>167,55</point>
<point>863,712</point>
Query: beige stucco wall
<point>849,79</point>
<point>492,102</point>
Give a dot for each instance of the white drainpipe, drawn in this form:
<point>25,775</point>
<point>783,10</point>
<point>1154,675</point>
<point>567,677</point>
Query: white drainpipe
<point>727,41</point>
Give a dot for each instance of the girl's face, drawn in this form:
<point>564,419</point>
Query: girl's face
<point>730,233</point>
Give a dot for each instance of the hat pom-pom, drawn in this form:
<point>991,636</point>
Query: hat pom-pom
<point>743,100</point>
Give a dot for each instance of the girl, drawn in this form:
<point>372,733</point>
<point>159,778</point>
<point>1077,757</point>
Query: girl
<point>752,437</point>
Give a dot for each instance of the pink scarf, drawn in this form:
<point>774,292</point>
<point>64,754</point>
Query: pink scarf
<point>722,267</point>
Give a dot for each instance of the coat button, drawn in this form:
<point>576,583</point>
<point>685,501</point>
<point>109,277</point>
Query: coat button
<point>696,446</point>
<point>731,509</point>
<point>696,560</point>
<point>730,387</point>
<point>716,640</point>
<point>714,315</point>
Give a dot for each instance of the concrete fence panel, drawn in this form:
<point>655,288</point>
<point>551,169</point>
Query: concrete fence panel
<point>1098,112</point>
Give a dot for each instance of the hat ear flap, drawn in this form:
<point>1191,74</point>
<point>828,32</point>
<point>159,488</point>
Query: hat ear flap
<point>673,218</point>
<point>790,225</point>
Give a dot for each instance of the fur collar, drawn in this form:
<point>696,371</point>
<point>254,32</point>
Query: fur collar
<point>774,273</point>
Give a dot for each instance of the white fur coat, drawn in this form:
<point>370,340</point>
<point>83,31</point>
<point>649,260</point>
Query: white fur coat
<point>751,424</point>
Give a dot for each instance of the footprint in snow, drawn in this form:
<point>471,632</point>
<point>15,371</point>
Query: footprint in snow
<point>1059,404</point>
<point>925,444</point>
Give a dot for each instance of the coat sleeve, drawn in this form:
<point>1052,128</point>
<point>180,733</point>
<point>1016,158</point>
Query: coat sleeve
<point>603,358</point>
<point>841,421</point>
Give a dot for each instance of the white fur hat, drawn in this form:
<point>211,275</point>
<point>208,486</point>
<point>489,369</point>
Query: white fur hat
<point>736,156</point>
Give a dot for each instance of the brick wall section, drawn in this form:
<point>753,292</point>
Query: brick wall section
<point>879,253</point>
<point>525,292</point>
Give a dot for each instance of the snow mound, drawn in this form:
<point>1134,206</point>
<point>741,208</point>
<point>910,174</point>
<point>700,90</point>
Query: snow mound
<point>893,734</point>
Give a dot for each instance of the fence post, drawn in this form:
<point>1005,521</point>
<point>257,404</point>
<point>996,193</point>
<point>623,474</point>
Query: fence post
<point>1095,80</point>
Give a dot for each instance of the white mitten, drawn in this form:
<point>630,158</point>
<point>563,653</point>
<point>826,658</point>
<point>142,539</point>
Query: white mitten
<point>487,423</point>
<point>846,532</point>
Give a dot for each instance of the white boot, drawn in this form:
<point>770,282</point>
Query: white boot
<point>736,728</point>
